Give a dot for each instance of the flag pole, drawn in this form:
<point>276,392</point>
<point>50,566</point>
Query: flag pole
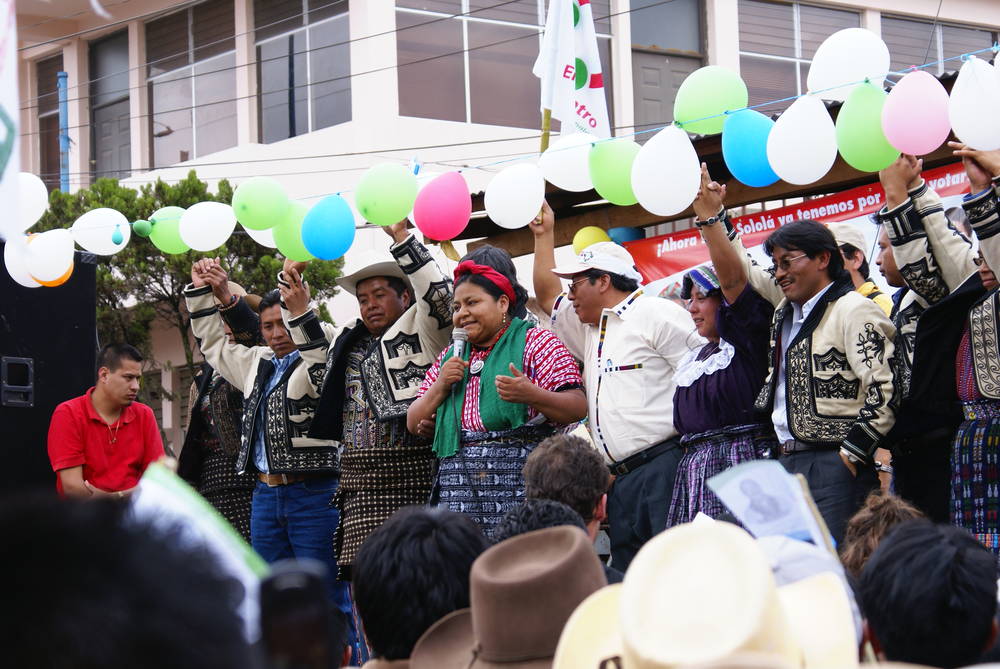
<point>546,128</point>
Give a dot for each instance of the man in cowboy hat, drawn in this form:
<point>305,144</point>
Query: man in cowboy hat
<point>522,592</point>
<point>373,371</point>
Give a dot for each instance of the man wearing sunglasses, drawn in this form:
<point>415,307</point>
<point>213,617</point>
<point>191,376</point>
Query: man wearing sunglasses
<point>830,381</point>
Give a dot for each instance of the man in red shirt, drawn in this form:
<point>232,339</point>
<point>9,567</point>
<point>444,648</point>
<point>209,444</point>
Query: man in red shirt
<point>101,443</point>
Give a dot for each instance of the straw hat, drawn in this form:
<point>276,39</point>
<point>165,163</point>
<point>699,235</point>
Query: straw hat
<point>371,264</point>
<point>522,591</point>
<point>702,594</point>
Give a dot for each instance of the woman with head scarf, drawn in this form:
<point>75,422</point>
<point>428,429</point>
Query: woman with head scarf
<point>511,386</point>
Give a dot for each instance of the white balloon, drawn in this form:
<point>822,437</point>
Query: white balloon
<point>15,257</point>
<point>514,196</point>
<point>50,254</point>
<point>565,163</point>
<point>845,58</point>
<point>95,230</point>
<point>973,105</point>
<point>207,225</point>
<point>262,237</point>
<point>666,173</point>
<point>802,145</point>
<point>32,200</point>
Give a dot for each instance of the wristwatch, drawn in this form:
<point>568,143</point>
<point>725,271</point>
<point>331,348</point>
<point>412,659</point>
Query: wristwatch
<point>711,220</point>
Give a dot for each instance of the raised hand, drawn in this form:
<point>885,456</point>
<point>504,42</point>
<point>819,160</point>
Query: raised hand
<point>711,196</point>
<point>398,231</point>
<point>899,177</point>
<point>545,222</point>
<point>296,294</point>
<point>980,166</point>
<point>516,388</point>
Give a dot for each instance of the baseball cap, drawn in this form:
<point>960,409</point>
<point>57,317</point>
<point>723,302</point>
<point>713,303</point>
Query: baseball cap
<point>605,256</point>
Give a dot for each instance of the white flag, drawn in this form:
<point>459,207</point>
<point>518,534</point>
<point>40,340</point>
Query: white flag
<point>569,66</point>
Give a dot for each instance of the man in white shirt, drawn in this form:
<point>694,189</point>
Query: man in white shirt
<point>630,345</point>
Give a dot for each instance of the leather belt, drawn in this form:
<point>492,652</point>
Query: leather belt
<point>633,462</point>
<point>796,446</point>
<point>274,480</point>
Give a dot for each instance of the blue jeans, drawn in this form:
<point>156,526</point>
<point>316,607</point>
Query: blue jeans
<point>298,521</point>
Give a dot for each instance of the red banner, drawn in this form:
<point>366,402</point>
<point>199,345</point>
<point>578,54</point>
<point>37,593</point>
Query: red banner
<point>663,256</point>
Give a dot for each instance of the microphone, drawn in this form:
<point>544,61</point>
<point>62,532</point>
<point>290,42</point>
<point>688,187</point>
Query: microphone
<point>459,340</point>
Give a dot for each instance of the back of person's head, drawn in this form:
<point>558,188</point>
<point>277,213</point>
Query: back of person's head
<point>112,355</point>
<point>269,299</point>
<point>535,514</point>
<point>929,595</point>
<point>499,260</point>
<point>880,513</point>
<point>567,469</point>
<point>89,587</point>
<point>811,238</point>
<point>411,572</point>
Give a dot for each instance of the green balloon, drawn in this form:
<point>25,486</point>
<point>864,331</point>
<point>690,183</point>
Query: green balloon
<point>166,233</point>
<point>260,203</point>
<point>288,233</point>
<point>859,130</point>
<point>386,193</point>
<point>611,170</point>
<point>705,92</point>
<point>142,228</point>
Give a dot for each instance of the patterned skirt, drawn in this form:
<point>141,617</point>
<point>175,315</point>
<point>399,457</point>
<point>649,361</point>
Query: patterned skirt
<point>975,473</point>
<point>707,454</point>
<point>485,479</point>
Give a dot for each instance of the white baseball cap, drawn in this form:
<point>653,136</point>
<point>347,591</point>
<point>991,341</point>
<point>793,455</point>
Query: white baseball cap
<point>605,256</point>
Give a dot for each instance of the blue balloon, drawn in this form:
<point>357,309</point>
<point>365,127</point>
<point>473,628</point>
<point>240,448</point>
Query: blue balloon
<point>744,147</point>
<point>622,235</point>
<point>328,228</point>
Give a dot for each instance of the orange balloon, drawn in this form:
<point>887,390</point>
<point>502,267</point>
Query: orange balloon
<point>57,282</point>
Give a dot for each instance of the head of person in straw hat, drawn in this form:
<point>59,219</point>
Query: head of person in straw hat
<point>703,594</point>
<point>522,592</point>
<point>383,290</point>
<point>929,595</point>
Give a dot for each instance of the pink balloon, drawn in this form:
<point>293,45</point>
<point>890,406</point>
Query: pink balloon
<point>443,207</point>
<point>915,115</point>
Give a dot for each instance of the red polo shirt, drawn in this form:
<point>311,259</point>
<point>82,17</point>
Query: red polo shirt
<point>79,436</point>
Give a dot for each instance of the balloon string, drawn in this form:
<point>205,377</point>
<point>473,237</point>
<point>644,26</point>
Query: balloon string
<point>597,140</point>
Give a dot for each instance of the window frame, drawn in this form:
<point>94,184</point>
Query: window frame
<point>937,28</point>
<point>466,19</point>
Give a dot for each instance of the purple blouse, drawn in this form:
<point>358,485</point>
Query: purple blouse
<point>718,383</point>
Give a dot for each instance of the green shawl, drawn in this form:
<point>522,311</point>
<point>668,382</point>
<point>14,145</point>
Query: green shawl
<point>496,413</point>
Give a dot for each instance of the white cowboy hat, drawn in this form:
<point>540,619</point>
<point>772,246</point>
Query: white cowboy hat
<point>371,264</point>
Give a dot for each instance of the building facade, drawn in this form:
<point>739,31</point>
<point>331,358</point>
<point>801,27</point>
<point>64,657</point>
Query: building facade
<point>313,92</point>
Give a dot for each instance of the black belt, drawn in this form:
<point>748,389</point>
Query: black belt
<point>633,462</point>
<point>796,446</point>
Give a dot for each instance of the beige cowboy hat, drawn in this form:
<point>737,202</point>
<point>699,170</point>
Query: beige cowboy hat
<point>703,595</point>
<point>522,591</point>
<point>370,264</point>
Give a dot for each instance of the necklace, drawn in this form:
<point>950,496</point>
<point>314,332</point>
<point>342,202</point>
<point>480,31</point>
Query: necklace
<point>113,436</point>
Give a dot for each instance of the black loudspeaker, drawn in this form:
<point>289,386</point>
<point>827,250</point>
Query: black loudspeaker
<point>48,348</point>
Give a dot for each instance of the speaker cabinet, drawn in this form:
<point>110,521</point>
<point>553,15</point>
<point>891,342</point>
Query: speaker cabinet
<point>48,348</point>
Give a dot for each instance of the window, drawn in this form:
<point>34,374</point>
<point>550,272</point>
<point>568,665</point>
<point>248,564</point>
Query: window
<point>667,46</point>
<point>304,60</point>
<point>470,60</point>
<point>48,119</point>
<point>777,43</point>
<point>917,42</point>
<point>111,140</point>
<point>190,61</point>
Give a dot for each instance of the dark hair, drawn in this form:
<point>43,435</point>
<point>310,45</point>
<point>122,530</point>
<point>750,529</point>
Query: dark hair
<point>929,593</point>
<point>499,260</point>
<point>618,282</point>
<point>880,513</point>
<point>850,251</point>
<point>270,298</point>
<point>92,587</point>
<point>411,572</point>
<point>111,356</point>
<point>567,469</point>
<point>398,285</point>
<point>535,514</point>
<point>811,238</point>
